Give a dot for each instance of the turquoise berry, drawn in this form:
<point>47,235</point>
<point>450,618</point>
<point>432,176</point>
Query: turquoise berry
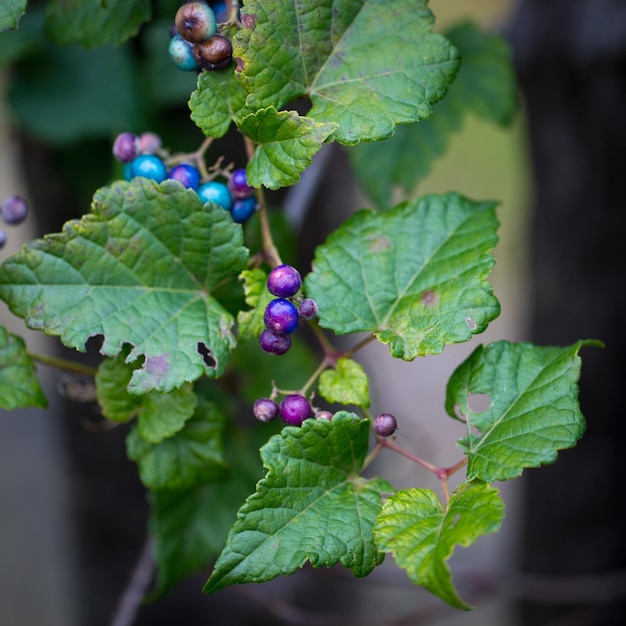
<point>243,209</point>
<point>148,166</point>
<point>181,53</point>
<point>127,171</point>
<point>216,192</point>
<point>187,175</point>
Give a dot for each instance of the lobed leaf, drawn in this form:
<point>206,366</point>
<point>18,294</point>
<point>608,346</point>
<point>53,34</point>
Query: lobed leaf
<point>139,270</point>
<point>533,410</point>
<point>414,275</point>
<point>311,505</point>
<point>10,13</point>
<point>286,143</point>
<point>345,59</point>
<point>347,383</point>
<point>19,385</point>
<point>422,534</point>
<point>484,86</point>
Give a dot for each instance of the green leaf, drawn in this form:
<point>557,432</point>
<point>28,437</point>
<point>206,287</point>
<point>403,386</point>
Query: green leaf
<point>422,534</point>
<point>346,60</point>
<point>413,275</point>
<point>139,270</point>
<point>533,410</point>
<point>19,385</point>
<point>111,380</point>
<point>286,143</point>
<point>250,323</point>
<point>312,505</point>
<point>189,526</point>
<point>10,13</point>
<point>218,100</point>
<point>484,86</point>
<point>191,456</point>
<point>347,383</point>
<point>95,22</point>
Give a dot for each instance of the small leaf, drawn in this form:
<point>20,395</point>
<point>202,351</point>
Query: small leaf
<point>10,13</point>
<point>139,270</point>
<point>346,60</point>
<point>19,385</point>
<point>250,323</point>
<point>311,505</point>
<point>484,86</point>
<point>218,100</point>
<point>422,535</point>
<point>413,275</point>
<point>347,383</point>
<point>111,380</point>
<point>286,144</point>
<point>534,409</point>
<point>189,457</point>
<point>94,22</point>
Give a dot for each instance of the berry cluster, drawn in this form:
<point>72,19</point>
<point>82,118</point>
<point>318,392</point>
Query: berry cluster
<point>281,315</point>
<point>194,45</point>
<point>142,155</point>
<point>14,212</point>
<point>294,408</point>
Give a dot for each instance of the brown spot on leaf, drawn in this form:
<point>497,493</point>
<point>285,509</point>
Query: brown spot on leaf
<point>429,298</point>
<point>241,64</point>
<point>379,244</point>
<point>248,20</point>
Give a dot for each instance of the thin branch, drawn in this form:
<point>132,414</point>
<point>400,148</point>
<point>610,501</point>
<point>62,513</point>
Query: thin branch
<point>63,364</point>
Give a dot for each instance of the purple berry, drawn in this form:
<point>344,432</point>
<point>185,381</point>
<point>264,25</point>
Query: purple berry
<point>281,316</point>
<point>385,425</point>
<point>274,343</point>
<point>308,309</point>
<point>237,183</point>
<point>242,209</point>
<point>14,210</point>
<point>126,147</point>
<point>3,238</point>
<point>294,409</point>
<point>195,22</point>
<point>265,409</point>
<point>284,281</point>
<point>187,175</point>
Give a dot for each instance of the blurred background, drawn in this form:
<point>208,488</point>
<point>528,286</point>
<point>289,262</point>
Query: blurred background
<point>72,511</point>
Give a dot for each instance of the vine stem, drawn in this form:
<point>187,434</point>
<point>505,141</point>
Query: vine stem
<point>63,364</point>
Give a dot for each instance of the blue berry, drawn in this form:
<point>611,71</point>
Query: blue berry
<point>238,185</point>
<point>281,316</point>
<point>148,166</point>
<point>187,175</point>
<point>181,53</point>
<point>274,343</point>
<point>284,281</point>
<point>265,409</point>
<point>216,192</point>
<point>3,238</point>
<point>385,425</point>
<point>126,147</point>
<point>127,171</point>
<point>294,409</point>
<point>308,309</point>
<point>242,209</point>
<point>14,210</point>
<point>195,22</point>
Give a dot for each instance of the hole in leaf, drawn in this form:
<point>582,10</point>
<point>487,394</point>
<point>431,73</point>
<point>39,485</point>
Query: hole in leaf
<point>478,402</point>
<point>471,324</point>
<point>205,351</point>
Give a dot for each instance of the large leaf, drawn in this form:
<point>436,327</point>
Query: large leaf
<point>311,505</point>
<point>10,13</point>
<point>422,534</point>
<point>533,410</point>
<point>414,275</point>
<point>366,64</point>
<point>19,385</point>
<point>346,383</point>
<point>287,143</point>
<point>139,270</point>
<point>95,22</point>
<point>193,455</point>
<point>485,86</point>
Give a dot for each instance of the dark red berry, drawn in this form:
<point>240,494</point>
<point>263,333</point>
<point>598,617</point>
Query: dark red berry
<point>265,409</point>
<point>274,343</point>
<point>385,425</point>
<point>195,22</point>
<point>294,409</point>
<point>14,210</point>
<point>213,54</point>
<point>284,281</point>
<point>308,309</point>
